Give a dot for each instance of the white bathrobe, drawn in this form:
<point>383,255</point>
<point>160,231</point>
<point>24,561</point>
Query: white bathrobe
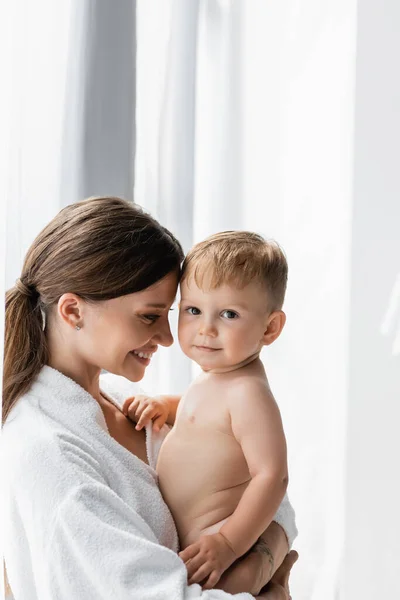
<point>84,518</point>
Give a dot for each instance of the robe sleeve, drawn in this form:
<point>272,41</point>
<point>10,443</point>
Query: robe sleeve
<point>101,548</point>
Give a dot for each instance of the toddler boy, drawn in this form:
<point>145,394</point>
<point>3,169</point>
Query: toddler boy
<point>223,468</point>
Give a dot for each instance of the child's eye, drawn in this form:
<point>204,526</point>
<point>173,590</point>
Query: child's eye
<point>192,310</point>
<point>229,314</point>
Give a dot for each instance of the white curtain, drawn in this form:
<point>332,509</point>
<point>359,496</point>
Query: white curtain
<point>67,115</point>
<point>373,441</point>
<point>71,110</point>
<point>245,120</point>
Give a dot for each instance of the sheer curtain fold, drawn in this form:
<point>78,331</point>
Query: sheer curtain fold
<point>68,109</point>
<point>99,121</point>
<point>251,104</point>
<point>72,116</point>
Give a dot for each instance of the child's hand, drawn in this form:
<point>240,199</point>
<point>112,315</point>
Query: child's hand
<point>143,409</point>
<point>207,559</point>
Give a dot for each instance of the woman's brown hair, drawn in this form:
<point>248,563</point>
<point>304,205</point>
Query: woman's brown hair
<point>99,249</point>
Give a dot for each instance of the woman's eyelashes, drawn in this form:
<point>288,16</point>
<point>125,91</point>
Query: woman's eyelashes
<point>153,317</point>
<point>150,318</point>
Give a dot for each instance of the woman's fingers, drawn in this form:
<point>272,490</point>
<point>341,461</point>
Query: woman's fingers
<point>282,574</point>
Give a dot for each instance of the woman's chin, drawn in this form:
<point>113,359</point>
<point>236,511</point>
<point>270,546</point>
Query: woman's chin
<point>133,369</point>
<point>133,376</point>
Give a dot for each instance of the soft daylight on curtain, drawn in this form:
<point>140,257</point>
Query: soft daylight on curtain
<point>277,117</point>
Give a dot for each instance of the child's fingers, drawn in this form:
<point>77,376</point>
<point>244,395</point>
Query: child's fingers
<point>200,574</point>
<point>127,404</point>
<point>131,404</point>
<point>159,422</point>
<point>145,417</point>
<point>133,409</point>
<point>212,580</point>
<point>195,563</point>
<point>189,552</point>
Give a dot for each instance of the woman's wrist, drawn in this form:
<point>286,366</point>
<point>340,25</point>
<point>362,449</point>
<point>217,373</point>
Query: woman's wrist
<point>273,546</point>
<point>266,558</point>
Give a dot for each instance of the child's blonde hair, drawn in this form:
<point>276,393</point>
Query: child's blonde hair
<point>238,258</point>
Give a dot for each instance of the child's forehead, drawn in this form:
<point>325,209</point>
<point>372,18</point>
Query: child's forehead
<point>207,283</point>
<point>226,290</point>
<point>205,276</point>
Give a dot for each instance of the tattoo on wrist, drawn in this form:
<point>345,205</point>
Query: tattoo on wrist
<point>262,548</point>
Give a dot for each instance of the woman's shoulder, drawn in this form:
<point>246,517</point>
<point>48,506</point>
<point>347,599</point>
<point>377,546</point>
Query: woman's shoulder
<point>39,454</point>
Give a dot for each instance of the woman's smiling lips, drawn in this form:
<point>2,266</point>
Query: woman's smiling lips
<point>142,356</point>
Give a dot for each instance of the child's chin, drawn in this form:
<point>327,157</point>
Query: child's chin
<point>208,365</point>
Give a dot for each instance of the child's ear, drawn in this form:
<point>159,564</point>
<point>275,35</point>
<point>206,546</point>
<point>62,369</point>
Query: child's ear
<point>276,322</point>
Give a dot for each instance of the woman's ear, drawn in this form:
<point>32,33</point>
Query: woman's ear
<point>70,309</point>
<point>276,322</point>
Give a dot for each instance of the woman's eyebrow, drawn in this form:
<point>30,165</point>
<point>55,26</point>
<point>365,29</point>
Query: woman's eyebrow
<point>153,305</point>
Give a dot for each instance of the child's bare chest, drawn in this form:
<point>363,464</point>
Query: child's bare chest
<point>204,406</point>
<point>201,455</point>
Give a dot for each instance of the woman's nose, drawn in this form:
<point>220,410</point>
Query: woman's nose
<point>164,336</point>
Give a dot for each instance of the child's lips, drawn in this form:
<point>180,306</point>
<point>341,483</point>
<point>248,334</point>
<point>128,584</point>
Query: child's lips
<point>207,348</point>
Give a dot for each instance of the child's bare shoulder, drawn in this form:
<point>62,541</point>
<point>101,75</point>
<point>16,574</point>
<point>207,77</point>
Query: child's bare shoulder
<point>252,391</point>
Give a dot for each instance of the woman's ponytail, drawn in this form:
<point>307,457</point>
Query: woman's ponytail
<point>25,347</point>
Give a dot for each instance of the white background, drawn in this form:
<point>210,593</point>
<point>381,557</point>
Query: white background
<point>278,117</point>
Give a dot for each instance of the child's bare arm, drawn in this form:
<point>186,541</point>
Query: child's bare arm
<point>173,403</point>
<point>257,426</point>
<point>160,409</point>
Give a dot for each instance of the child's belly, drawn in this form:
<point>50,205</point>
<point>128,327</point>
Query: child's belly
<point>202,476</point>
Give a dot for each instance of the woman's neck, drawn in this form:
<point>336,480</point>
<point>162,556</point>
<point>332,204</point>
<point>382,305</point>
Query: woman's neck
<point>87,378</point>
<point>66,358</point>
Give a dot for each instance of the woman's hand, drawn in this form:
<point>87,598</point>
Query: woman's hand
<point>278,588</point>
<point>248,574</point>
<point>207,559</point>
<point>142,409</point>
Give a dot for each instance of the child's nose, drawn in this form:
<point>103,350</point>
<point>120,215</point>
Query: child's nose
<point>208,328</point>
